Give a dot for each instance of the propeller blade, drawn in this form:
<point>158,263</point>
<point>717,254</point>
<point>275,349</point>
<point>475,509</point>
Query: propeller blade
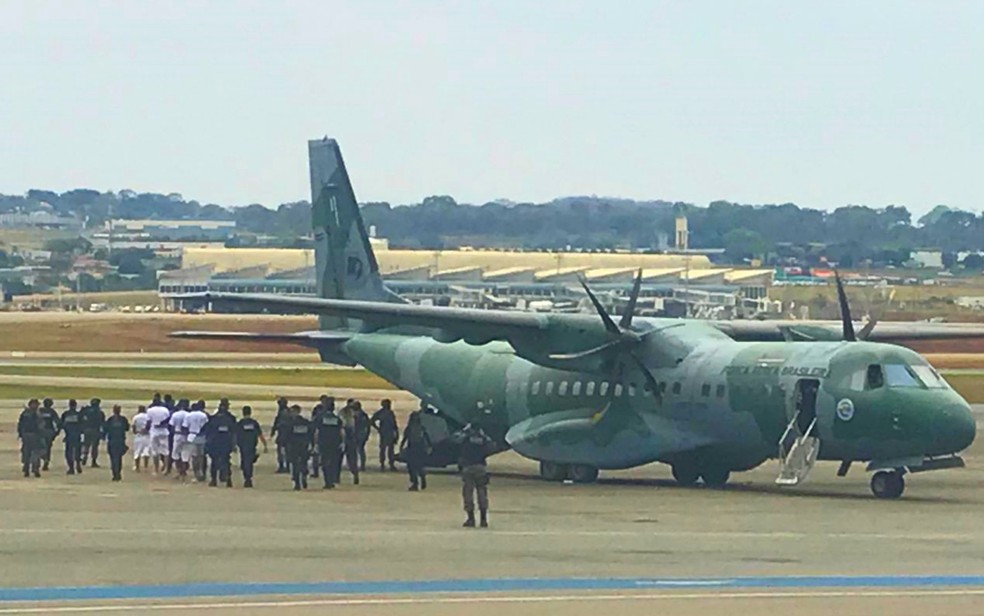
<point>626,320</point>
<point>598,350</point>
<point>870,325</point>
<point>606,319</point>
<point>615,380</point>
<point>653,384</point>
<point>845,310</point>
<point>866,330</point>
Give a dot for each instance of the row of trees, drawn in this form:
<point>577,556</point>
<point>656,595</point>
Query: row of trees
<point>849,235</point>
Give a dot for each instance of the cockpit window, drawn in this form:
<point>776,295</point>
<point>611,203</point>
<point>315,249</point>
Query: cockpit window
<point>875,379</point>
<point>899,375</point>
<point>929,377</point>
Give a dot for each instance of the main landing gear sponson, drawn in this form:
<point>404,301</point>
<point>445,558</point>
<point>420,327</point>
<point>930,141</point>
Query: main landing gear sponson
<point>578,473</point>
<point>888,484</point>
<point>688,472</point>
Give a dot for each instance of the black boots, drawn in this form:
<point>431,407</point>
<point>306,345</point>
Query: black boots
<point>470,520</point>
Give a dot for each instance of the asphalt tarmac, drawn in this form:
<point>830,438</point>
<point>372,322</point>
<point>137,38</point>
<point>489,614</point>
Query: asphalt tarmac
<point>632,544</point>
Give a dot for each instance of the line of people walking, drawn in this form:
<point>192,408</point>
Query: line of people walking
<point>182,439</point>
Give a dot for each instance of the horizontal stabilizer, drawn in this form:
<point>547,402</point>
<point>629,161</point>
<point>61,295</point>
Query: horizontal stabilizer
<point>311,338</point>
<point>327,342</point>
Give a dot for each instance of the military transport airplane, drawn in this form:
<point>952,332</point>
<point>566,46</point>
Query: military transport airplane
<point>582,392</point>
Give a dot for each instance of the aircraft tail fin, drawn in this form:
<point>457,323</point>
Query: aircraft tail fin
<point>345,265</point>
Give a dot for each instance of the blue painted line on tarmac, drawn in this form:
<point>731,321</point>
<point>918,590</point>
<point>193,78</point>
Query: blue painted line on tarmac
<point>171,591</point>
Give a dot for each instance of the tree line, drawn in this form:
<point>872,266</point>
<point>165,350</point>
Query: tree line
<point>852,235</point>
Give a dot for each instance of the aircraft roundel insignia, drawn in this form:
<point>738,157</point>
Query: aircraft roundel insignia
<point>845,410</point>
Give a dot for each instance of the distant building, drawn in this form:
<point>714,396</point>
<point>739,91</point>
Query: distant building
<point>498,277</point>
<point>168,230</point>
<point>97,268</point>
<point>682,234</point>
<point>39,220</point>
<point>23,274</point>
<point>928,258</point>
<point>34,256</point>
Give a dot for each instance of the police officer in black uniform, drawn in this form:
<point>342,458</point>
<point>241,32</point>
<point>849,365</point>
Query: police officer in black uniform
<point>71,424</point>
<point>415,448</point>
<point>248,432</point>
<point>220,435</point>
<point>384,421</point>
<point>280,434</point>
<point>328,436</point>
<point>92,418</point>
<point>114,431</point>
<point>32,443</point>
<point>363,428</point>
<point>324,403</point>
<point>300,433</point>
<point>50,427</point>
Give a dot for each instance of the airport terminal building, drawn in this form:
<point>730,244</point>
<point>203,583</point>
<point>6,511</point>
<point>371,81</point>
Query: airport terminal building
<point>482,278</point>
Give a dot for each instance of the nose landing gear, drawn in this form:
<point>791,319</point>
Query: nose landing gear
<point>888,484</point>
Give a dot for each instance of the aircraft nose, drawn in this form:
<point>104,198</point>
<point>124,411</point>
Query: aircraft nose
<point>955,428</point>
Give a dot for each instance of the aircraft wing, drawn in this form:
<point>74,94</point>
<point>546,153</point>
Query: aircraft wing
<point>557,340</point>
<point>473,325</point>
<point>884,331</point>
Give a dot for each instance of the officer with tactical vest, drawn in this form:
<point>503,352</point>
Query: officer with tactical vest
<point>299,442</point>
<point>71,424</point>
<point>50,427</point>
<point>92,418</point>
<point>248,432</point>
<point>114,431</point>
<point>328,436</point>
<point>220,440</point>
<point>475,446</point>
<point>32,442</point>
<point>280,434</point>
<point>384,422</point>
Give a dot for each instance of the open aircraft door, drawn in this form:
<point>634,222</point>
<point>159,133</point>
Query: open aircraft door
<point>799,445</point>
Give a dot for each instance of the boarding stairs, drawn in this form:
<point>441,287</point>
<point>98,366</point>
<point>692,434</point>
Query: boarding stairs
<point>798,452</point>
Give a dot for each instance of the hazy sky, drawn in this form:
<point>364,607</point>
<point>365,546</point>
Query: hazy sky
<point>819,103</point>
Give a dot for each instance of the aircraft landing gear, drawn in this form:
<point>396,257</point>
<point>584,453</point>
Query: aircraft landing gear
<point>582,473</point>
<point>888,484</point>
<point>715,477</point>
<point>553,471</point>
<point>686,474</point>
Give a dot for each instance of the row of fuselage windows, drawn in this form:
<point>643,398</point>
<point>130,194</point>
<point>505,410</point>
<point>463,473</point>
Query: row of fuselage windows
<point>602,389</point>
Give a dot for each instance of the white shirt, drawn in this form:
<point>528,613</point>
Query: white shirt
<point>195,421</point>
<point>177,422</point>
<point>141,421</point>
<point>159,416</point>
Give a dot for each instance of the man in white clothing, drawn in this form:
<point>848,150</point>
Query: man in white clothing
<point>180,440</point>
<point>194,453</point>
<point>141,439</point>
<point>159,447</point>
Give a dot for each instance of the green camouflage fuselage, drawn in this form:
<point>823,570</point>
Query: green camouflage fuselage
<point>720,398</point>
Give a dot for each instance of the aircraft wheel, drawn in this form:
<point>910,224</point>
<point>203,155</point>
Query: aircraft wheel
<point>715,477</point>
<point>552,471</point>
<point>582,473</point>
<point>685,474</point>
<point>887,484</point>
